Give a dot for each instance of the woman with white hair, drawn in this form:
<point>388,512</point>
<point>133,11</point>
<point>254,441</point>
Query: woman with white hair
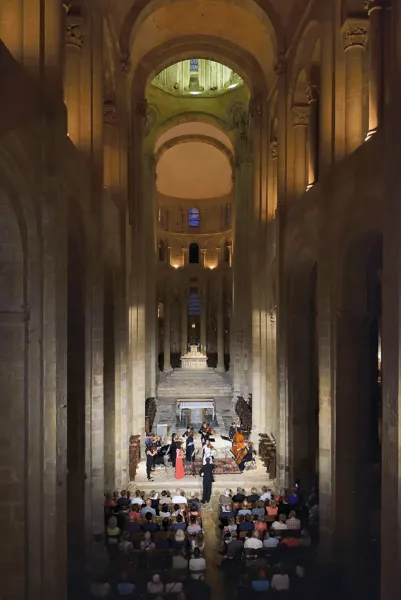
<point>147,543</point>
<point>225,498</point>
<point>155,586</point>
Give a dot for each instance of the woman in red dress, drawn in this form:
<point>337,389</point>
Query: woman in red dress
<point>179,463</point>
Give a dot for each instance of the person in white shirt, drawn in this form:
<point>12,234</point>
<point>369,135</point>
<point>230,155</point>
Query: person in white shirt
<point>266,494</point>
<point>280,524</point>
<point>179,498</point>
<point>280,581</point>
<point>292,521</point>
<point>155,586</point>
<point>207,452</point>
<point>175,587</point>
<point>197,565</point>
<point>137,500</point>
<point>270,540</point>
<point>253,542</point>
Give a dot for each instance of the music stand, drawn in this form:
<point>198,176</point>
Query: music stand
<point>226,439</point>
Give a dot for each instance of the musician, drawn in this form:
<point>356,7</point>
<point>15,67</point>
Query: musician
<point>249,457</point>
<point>208,452</point>
<point>203,431</point>
<point>206,473</point>
<point>150,459</point>
<point>173,449</point>
<point>190,445</point>
<point>232,430</point>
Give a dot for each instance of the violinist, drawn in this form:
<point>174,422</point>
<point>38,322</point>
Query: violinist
<point>203,431</point>
<point>190,445</point>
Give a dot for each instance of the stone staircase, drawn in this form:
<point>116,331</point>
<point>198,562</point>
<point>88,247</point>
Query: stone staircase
<point>194,384</point>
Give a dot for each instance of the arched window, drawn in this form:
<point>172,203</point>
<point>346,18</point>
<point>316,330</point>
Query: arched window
<point>193,217</point>
<point>193,65</point>
<point>193,253</point>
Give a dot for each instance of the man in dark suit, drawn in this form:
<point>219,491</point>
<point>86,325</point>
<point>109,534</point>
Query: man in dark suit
<point>206,473</point>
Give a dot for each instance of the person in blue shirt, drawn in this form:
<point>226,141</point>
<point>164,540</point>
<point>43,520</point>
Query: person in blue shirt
<point>123,500</point>
<point>124,587</point>
<point>261,584</point>
<point>179,524</point>
<point>149,525</point>
<point>245,524</point>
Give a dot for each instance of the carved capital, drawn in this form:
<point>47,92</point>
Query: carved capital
<point>74,30</point>
<point>281,65</point>
<point>109,113</point>
<point>256,110</point>
<point>125,65</point>
<point>312,92</point>
<point>274,149</point>
<point>300,116</point>
<point>371,5</point>
<point>355,33</point>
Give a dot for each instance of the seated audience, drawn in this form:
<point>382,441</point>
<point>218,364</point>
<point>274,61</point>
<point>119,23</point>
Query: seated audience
<point>165,511</point>
<point>193,510</point>
<point>253,496</point>
<point>226,512</point>
<point>177,511</point>
<point>225,499</point>
<point>112,532</point>
<point>289,541</point>
<point>245,524</point>
<point>195,500</point>
<point>176,588</point>
<point>179,524</point>
<point>165,498</point>
<point>132,525</point>
<point>179,497</point>
<point>280,523</point>
<point>137,499</point>
<point>245,510</point>
<point>259,509</point>
<point>179,539</point>
<point>266,494</point>
<point>135,512</point>
<point>235,547</point>
<point>125,545</point>
<point>109,500</point>
<point>261,583</point>
<point>270,540</point>
<point>292,521</point>
<point>154,497</point>
<point>293,498</point>
<point>155,586</point>
<point>100,589</point>
<point>149,525</point>
<point>179,560</point>
<point>198,542</point>
<point>162,541</point>
<point>197,565</point>
<point>165,524</point>
<point>232,525</point>
<point>147,508</point>
<point>146,543</point>
<point>123,499</point>
<point>124,586</point>
<point>240,495</point>
<point>280,580</point>
<point>253,541</point>
<point>272,508</point>
<point>260,524</point>
<point>305,539</point>
<point>194,527</point>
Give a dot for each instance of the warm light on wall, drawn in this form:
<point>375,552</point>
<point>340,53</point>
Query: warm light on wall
<point>370,134</point>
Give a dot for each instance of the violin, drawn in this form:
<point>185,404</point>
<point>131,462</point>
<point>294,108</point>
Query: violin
<point>209,430</point>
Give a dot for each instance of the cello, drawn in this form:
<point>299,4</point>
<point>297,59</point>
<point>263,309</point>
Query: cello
<point>240,448</point>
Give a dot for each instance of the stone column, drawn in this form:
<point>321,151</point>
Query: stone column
<point>220,324</point>
<point>312,92</point>
<point>203,320</point>
<point>74,40</point>
<point>167,331</point>
<point>273,179</point>
<point>300,121</point>
<point>185,255</point>
<point>202,257</point>
<point>376,91</point>
<point>354,37</point>
<point>169,256</point>
<point>184,320</point>
<point>11,22</point>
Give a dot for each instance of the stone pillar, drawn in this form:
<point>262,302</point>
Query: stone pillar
<point>220,324</point>
<point>273,179</point>
<point>184,319</point>
<point>185,256</point>
<point>167,331</point>
<point>203,319</point>
<point>300,121</point>
<point>313,133</point>
<point>354,37</point>
<point>169,256</point>
<point>202,257</point>
<point>74,39</point>
<point>230,255</point>
<point>376,21</point>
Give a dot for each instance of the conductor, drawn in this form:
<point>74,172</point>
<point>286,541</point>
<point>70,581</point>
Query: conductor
<point>207,473</point>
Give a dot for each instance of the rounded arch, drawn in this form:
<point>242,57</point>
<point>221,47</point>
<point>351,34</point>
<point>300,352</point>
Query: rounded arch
<point>262,9</point>
<point>307,54</point>
<point>222,129</point>
<point>204,139</point>
<point>299,95</point>
<point>204,46</point>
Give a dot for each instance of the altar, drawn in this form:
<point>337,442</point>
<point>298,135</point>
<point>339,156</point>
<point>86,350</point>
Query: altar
<point>194,359</point>
<point>196,411</point>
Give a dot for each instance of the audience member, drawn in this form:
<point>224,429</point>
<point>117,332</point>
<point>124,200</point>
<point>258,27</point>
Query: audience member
<point>225,499</point>
<point>135,512</point>
<point>124,500</point>
<point>292,521</point>
<point>164,511</point>
<point>253,496</point>
<point>270,540</point>
<point>280,580</point>
<point>148,509</point>
<point>235,546</point>
<point>113,532</point>
<point>260,524</point>
<point>245,510</point>
<point>259,509</point>
<point>253,541</point>
<point>245,524</point>
<point>179,560</point>
<point>149,525</point>
<point>272,508</point>
<point>126,545</point>
<point>261,583</point>
<point>179,539</point>
<point>124,586</point>
<point>194,528</point>
<point>155,586</point>
<point>100,589</point>
<point>179,497</point>
<point>239,496</point>
<point>197,565</point>
<point>266,494</point>
<point>179,524</point>
<point>137,498</point>
<point>146,543</point>
<point>280,523</point>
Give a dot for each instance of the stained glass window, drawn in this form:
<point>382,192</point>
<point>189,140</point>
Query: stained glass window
<point>193,65</point>
<point>193,217</point>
